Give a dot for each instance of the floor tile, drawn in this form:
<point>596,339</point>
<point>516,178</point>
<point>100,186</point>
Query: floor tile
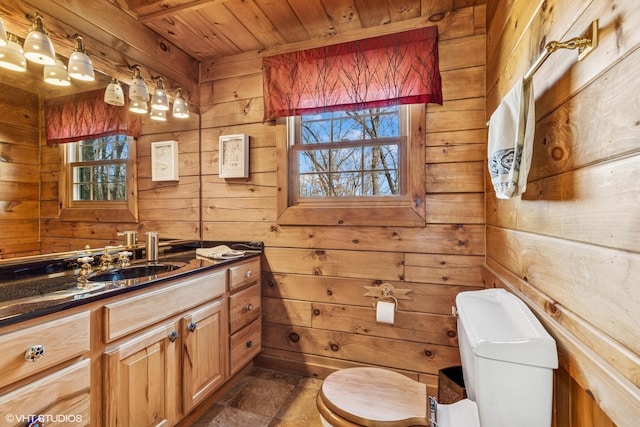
<point>233,417</point>
<point>266,398</point>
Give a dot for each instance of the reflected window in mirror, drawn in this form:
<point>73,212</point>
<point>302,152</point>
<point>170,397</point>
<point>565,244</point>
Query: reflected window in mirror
<point>98,182</point>
<point>98,168</point>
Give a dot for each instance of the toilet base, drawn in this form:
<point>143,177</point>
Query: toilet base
<point>463,413</point>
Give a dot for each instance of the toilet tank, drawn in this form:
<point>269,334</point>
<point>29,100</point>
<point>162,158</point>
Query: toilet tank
<point>507,359</point>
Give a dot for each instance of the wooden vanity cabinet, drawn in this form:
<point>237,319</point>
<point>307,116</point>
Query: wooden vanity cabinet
<point>145,358</point>
<point>245,341</point>
<point>161,372</point>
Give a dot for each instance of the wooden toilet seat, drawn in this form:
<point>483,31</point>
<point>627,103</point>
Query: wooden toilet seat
<point>372,397</point>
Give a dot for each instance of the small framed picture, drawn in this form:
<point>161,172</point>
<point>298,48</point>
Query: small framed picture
<point>164,161</point>
<point>234,156</point>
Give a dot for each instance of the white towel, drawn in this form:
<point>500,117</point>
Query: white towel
<point>511,130</point>
<point>219,252</point>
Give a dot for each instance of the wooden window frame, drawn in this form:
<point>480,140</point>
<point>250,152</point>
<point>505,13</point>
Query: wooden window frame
<point>406,210</point>
<point>104,211</point>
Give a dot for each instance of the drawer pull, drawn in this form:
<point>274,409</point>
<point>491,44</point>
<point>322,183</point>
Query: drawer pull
<point>34,353</point>
<point>249,307</point>
<point>192,326</point>
<point>173,336</point>
<point>248,274</point>
<point>249,344</point>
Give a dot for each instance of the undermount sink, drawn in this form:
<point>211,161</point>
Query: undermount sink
<point>135,272</point>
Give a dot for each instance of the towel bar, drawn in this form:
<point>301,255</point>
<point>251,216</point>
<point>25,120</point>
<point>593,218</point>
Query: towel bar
<point>584,44</point>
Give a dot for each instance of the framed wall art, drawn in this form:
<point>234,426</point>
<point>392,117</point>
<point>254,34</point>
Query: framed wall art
<point>234,156</point>
<point>164,161</point>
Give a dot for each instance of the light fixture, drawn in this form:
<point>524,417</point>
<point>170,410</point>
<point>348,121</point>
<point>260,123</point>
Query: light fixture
<point>38,46</point>
<point>138,107</point>
<point>180,108</point>
<point>138,89</point>
<point>13,56</point>
<point>80,67</point>
<point>159,100</point>
<point>3,34</point>
<point>56,74</point>
<point>158,115</point>
<point>113,94</point>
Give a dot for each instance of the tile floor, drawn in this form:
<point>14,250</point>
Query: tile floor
<point>266,398</point>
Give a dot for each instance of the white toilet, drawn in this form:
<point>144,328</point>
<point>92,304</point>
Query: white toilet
<point>507,363</point>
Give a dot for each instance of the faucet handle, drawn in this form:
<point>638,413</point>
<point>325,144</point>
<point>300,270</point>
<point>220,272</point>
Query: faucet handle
<point>123,258</point>
<point>85,260</point>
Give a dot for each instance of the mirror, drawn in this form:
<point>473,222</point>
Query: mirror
<point>22,95</point>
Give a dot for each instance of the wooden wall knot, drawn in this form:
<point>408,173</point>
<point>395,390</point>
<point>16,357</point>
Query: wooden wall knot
<point>294,337</point>
<point>429,354</point>
<point>334,346</point>
<point>551,307</point>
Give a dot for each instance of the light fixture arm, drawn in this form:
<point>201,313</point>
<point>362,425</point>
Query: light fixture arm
<point>80,45</point>
<point>136,71</point>
<point>38,22</point>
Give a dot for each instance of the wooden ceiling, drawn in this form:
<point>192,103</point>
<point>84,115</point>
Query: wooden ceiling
<point>206,29</point>
<point>172,38</point>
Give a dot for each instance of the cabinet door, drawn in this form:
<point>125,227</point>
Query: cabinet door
<point>205,354</point>
<point>141,377</point>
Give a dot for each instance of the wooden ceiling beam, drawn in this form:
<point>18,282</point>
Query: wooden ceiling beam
<point>191,5</point>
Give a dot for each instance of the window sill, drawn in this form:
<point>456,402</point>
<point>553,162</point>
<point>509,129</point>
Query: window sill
<point>356,214</point>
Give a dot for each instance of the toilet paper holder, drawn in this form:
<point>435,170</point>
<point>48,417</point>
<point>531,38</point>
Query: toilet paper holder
<point>386,291</point>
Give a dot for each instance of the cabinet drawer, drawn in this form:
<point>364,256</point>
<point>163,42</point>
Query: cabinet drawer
<point>245,345</point>
<point>63,395</point>
<point>244,307</point>
<point>244,274</point>
<point>62,339</point>
<point>145,309</point>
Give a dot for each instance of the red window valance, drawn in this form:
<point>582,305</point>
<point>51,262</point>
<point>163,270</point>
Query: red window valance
<point>86,116</point>
<point>400,68</point>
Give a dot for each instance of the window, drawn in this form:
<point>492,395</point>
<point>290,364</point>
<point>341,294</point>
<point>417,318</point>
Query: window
<point>99,180</point>
<point>363,167</point>
<point>348,154</point>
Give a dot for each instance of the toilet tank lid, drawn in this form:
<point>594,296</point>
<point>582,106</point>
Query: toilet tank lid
<point>500,326</point>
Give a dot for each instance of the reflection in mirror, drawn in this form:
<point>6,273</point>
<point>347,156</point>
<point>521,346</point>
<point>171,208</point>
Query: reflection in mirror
<point>21,138</point>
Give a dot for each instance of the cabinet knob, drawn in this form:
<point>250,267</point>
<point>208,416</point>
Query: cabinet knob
<point>249,344</point>
<point>192,326</point>
<point>248,274</point>
<point>249,307</point>
<point>34,353</point>
<point>173,336</point>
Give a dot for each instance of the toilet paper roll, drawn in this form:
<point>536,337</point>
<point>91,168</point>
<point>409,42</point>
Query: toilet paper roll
<point>385,312</point>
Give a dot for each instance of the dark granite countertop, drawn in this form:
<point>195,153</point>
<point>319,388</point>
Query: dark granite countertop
<point>30,290</point>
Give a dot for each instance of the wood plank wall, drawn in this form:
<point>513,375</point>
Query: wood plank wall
<point>316,318</point>
<point>570,246</point>
<point>19,173</point>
